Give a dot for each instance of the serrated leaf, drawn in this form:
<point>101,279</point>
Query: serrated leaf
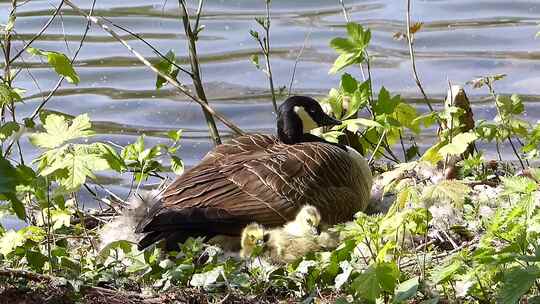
<point>446,272</point>
<point>459,144</point>
<point>452,190</point>
<point>58,131</point>
<point>517,282</point>
<point>7,129</point>
<point>60,62</point>
<point>385,103</point>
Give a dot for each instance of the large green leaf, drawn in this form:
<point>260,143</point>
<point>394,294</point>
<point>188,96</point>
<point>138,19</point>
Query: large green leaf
<point>8,95</point>
<point>367,285</point>
<point>406,290</point>
<point>517,283</point>
<point>385,103</point>
<point>459,144</point>
<point>61,64</point>
<point>58,131</point>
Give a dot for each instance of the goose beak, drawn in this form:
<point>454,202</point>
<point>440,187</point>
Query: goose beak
<point>329,121</point>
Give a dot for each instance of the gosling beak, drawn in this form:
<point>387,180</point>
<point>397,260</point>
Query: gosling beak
<point>260,242</point>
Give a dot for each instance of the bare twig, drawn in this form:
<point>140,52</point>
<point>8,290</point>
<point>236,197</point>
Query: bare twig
<point>36,36</point>
<point>59,82</point>
<point>144,61</point>
<point>267,55</point>
<point>413,62</point>
<point>195,68</point>
<point>297,60</point>
<point>149,45</point>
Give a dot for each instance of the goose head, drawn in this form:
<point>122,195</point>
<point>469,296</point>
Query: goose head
<point>309,218</point>
<point>297,116</point>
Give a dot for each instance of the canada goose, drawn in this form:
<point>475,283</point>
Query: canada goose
<point>264,179</point>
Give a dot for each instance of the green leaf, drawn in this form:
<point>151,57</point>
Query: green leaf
<point>459,144</point>
<point>342,45</point>
<point>344,60</point>
<point>167,67</point>
<point>387,274</point>
<point>9,241</point>
<point>177,165</point>
<point>348,83</point>
<point>60,62</point>
<point>175,135</point>
<point>8,95</point>
<point>358,35</point>
<point>452,190</point>
<point>366,285</point>
<point>446,272</point>
<point>255,60</point>
<point>58,131</point>
<point>517,282</point>
<point>386,104</point>
<point>7,129</point>
<point>406,290</point>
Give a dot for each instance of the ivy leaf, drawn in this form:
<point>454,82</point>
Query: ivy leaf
<point>387,275</point>
<point>60,62</point>
<point>58,131</point>
<point>459,144</point>
<point>406,290</point>
<point>517,282</point>
<point>167,67</point>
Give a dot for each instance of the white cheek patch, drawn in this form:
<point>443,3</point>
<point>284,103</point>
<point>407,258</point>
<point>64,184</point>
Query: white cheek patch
<point>308,123</point>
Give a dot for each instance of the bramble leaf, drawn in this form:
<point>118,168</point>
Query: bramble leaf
<point>58,131</point>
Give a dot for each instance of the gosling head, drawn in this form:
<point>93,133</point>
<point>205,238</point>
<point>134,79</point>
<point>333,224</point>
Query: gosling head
<point>253,236</point>
<point>310,218</point>
<point>297,116</point>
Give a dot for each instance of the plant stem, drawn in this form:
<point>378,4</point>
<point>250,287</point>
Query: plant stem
<point>266,51</point>
<point>195,68</point>
<point>413,61</point>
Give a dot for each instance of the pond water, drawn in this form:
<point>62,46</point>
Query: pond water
<point>460,39</point>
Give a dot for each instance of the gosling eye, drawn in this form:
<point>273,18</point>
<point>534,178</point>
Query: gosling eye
<point>310,222</point>
<point>266,237</point>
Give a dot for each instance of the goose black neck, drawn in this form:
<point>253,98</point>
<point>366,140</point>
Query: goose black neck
<point>290,130</point>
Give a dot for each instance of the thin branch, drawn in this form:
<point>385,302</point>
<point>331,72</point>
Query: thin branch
<point>345,12</point>
<point>59,82</point>
<point>298,59</point>
<point>195,69</point>
<point>144,61</point>
<point>43,29</point>
<point>150,46</point>
<point>267,56</point>
<point>413,62</point>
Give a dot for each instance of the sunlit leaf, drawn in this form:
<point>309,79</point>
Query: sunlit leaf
<point>517,282</point>
<point>61,64</point>
<point>459,144</point>
<point>167,67</point>
<point>58,131</point>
